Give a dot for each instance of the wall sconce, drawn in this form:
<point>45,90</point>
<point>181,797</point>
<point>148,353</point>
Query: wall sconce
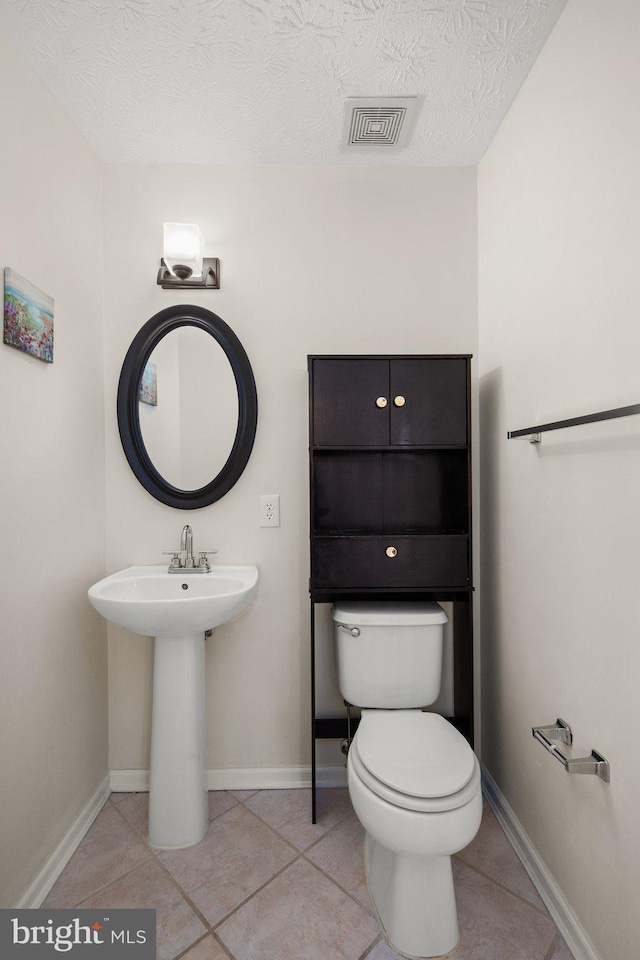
<point>183,267</point>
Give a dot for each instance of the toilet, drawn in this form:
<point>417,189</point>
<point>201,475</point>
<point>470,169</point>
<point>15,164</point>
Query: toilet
<point>414,781</point>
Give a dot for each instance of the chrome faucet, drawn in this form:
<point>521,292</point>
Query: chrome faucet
<point>186,546</point>
<point>183,560</point>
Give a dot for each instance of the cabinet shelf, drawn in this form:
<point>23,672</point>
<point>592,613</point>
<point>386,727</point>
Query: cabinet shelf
<point>391,490</point>
<point>379,448</point>
<point>408,532</point>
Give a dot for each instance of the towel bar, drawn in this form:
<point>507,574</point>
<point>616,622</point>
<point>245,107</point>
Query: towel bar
<point>534,432</point>
<point>594,764</point>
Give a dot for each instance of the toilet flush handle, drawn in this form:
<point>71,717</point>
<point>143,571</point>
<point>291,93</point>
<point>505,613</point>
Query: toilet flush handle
<point>352,630</point>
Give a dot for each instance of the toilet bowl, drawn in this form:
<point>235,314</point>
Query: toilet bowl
<point>413,779</point>
<point>412,832</point>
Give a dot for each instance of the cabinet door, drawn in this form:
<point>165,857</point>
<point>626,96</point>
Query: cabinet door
<point>428,401</point>
<point>344,402</point>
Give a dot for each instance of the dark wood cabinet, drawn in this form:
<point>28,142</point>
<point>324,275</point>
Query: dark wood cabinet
<point>390,478</point>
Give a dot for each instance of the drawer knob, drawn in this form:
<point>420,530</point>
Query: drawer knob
<point>399,401</point>
<point>391,551</point>
<point>381,402</point>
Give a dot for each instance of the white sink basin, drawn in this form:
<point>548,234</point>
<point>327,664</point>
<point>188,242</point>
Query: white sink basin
<point>155,603</point>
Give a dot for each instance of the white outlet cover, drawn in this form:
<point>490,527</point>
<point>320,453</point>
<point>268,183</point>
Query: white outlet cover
<point>270,510</point>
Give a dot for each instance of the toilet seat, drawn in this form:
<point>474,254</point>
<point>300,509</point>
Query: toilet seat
<point>416,761</point>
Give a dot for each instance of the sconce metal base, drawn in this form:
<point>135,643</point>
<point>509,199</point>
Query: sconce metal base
<point>210,279</point>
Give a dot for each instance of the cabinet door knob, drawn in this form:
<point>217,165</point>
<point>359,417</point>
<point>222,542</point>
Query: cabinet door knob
<point>399,401</point>
<point>391,551</point>
<point>381,402</point>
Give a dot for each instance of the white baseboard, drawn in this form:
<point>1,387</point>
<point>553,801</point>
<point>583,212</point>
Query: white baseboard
<point>58,860</point>
<point>562,914</point>
<point>252,778</point>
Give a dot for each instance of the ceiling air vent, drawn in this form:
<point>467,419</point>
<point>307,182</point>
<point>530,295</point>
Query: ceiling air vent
<point>378,123</point>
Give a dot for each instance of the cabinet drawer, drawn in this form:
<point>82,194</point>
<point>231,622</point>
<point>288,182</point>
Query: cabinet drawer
<point>362,562</point>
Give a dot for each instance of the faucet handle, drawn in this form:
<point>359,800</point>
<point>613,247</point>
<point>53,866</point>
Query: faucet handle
<point>175,563</point>
<point>203,562</point>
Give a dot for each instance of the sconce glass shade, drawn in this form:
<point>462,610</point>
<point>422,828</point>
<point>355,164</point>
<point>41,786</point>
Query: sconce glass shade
<point>183,266</point>
<point>183,250</point>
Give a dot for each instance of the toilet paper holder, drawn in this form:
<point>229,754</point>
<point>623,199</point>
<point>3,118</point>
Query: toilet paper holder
<point>560,730</point>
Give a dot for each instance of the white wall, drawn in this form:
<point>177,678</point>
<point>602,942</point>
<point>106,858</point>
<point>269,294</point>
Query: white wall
<point>313,260</point>
<point>53,700</point>
<point>559,241</point>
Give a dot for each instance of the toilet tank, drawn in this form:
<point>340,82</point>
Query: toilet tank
<point>389,654</point>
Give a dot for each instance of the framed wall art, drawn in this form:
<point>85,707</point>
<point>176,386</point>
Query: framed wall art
<point>28,317</point>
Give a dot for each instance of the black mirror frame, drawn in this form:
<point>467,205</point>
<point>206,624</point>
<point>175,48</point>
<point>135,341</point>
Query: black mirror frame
<point>135,361</point>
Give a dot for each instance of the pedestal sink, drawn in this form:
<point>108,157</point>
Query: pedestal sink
<point>176,609</point>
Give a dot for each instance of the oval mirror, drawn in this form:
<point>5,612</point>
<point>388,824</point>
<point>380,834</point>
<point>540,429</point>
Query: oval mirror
<point>187,407</point>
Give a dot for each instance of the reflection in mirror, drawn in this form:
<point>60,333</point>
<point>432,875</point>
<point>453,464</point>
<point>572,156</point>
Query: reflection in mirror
<point>190,433</point>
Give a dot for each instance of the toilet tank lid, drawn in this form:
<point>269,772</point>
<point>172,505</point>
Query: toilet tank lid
<point>388,613</point>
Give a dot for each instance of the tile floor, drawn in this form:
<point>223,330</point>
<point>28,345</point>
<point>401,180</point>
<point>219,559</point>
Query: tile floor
<point>267,884</point>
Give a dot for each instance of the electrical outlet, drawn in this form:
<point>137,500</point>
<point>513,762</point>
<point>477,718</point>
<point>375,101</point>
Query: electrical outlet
<point>270,510</point>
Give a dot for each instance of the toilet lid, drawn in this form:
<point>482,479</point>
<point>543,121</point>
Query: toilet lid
<point>417,754</point>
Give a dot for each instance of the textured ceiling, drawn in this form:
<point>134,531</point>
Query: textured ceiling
<point>264,81</point>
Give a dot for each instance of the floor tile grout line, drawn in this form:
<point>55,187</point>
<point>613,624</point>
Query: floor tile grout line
<point>183,953</point>
<point>195,943</point>
<point>541,910</point>
<point>372,946</point>
<point>121,876</point>
<point>121,796</point>
<point>344,890</point>
<point>302,854</point>
<point>154,859</point>
<point>223,946</point>
<point>556,940</point>
<point>240,802</point>
<point>281,836</point>
<point>273,830</point>
<point>210,818</point>
<point>299,855</point>
<point>329,830</point>
<point>222,813</point>
<point>251,793</point>
<point>185,896</point>
<point>131,825</point>
<point>149,855</point>
<point>214,927</point>
<point>153,856</point>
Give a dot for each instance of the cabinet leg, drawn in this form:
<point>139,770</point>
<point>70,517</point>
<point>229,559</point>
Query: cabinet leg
<point>313,712</point>
<point>463,663</point>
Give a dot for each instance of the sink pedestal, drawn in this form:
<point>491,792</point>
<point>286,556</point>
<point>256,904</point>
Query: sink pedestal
<point>178,799</point>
